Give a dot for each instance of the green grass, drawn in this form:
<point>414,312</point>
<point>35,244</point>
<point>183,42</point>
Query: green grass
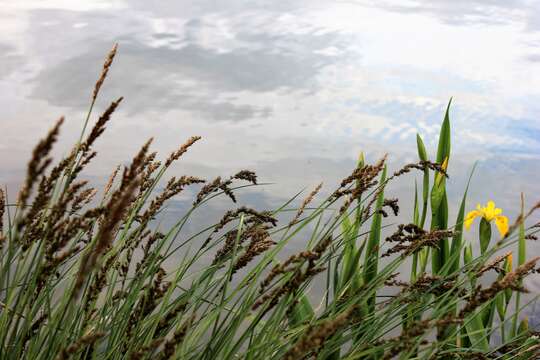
<point>91,275</point>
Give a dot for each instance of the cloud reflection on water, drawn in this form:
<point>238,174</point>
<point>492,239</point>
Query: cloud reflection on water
<point>292,89</point>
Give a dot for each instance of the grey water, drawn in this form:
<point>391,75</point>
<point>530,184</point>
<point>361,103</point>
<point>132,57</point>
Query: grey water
<point>293,90</point>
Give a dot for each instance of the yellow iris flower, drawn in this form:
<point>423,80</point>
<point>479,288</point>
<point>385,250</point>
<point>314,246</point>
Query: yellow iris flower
<point>489,212</point>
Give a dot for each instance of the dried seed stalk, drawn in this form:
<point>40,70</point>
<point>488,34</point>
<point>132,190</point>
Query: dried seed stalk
<point>306,201</point>
<point>104,71</point>
<point>315,336</point>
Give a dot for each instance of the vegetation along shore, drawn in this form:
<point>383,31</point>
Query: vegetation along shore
<point>83,277</point>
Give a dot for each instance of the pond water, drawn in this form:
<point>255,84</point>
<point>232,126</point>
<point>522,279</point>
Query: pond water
<point>291,89</point>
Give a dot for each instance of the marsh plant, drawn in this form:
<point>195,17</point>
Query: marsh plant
<point>83,272</point>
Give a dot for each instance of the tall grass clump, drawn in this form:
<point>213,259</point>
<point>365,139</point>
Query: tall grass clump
<point>86,274</point>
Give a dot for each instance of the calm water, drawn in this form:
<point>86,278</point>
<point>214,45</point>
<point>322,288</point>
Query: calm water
<point>293,90</point>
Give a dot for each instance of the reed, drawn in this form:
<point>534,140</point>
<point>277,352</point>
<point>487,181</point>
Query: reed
<point>87,278</point>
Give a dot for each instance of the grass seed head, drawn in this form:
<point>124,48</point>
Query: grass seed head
<point>178,153</point>
<point>39,162</point>
<point>105,69</point>
<point>306,201</point>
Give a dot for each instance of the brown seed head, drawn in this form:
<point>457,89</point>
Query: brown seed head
<point>306,201</point>
<point>81,343</point>
<point>99,127</point>
<point>104,71</point>
<point>114,213</point>
<point>178,337</point>
<point>512,280</point>
<point>39,162</point>
<point>315,336</point>
<point>176,154</point>
<point>110,181</point>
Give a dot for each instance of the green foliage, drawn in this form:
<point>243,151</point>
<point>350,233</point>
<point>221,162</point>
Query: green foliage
<point>83,277</point>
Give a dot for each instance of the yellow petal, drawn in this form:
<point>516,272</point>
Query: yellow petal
<point>470,218</point>
<point>501,222</point>
<point>509,262</point>
<point>490,211</point>
<point>445,164</point>
<point>439,176</point>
